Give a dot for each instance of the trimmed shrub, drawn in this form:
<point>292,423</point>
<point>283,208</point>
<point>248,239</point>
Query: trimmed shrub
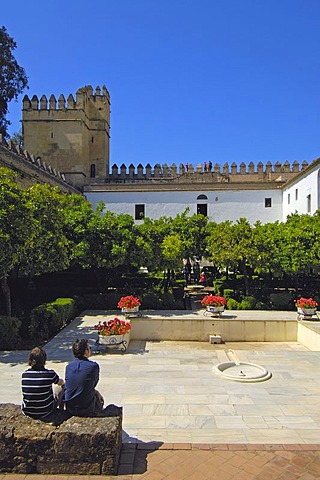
<point>262,306</point>
<point>281,301</point>
<point>99,301</point>
<point>228,293</point>
<point>248,303</point>
<point>47,319</point>
<point>245,305</point>
<point>232,304</point>
<point>9,333</point>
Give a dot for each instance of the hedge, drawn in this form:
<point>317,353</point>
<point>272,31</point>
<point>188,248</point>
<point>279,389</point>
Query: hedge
<point>47,319</point>
<point>9,333</point>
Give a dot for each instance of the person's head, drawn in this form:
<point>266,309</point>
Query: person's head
<point>81,349</point>
<point>37,358</point>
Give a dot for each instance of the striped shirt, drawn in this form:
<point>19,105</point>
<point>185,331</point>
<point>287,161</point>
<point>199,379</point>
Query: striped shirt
<point>37,392</point>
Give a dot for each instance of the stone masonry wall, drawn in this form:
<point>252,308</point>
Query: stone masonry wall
<point>82,446</point>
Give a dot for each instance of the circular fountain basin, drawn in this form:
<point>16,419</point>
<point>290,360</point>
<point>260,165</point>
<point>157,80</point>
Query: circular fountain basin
<point>241,372</point>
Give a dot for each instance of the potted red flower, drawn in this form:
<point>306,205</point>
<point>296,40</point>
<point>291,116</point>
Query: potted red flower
<point>112,332</point>
<point>214,303</point>
<point>129,304</point>
<point>306,306</point>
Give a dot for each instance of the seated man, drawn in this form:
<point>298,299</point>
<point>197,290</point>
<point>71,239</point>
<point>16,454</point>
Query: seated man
<point>82,375</point>
<point>40,396</point>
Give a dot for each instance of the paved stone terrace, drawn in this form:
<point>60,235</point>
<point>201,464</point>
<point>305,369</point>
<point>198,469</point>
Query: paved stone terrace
<point>182,422</point>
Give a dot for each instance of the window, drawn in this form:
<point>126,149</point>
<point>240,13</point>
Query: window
<point>267,202</point>
<point>139,212</point>
<point>51,134</point>
<point>202,209</point>
<point>296,194</point>
<point>288,198</point>
<point>91,139</point>
<point>92,171</point>
<point>202,197</point>
<point>309,203</point>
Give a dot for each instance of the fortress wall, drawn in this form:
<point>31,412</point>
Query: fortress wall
<point>31,169</point>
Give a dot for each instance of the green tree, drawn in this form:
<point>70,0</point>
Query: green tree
<point>192,231</point>
<point>13,79</point>
<point>220,244</point>
<point>46,249</point>
<point>15,229</point>
<point>299,249</point>
<point>103,242</point>
<point>17,138</point>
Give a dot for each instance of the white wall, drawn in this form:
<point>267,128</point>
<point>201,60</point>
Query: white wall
<point>306,185</point>
<point>222,205</point>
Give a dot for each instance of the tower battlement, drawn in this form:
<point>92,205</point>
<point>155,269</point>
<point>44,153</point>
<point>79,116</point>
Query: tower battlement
<point>71,134</point>
<point>233,173</point>
<point>84,95</point>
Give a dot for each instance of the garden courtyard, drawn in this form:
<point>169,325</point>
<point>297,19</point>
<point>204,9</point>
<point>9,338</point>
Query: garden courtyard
<point>169,393</point>
<point>172,400</point>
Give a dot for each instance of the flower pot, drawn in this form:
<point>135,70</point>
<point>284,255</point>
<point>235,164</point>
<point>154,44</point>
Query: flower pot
<point>307,311</point>
<point>110,339</point>
<point>212,309</point>
<point>115,341</point>
<point>127,311</point>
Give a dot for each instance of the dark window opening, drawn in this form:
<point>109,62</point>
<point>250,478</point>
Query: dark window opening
<point>139,212</point>
<point>92,171</point>
<point>288,198</point>
<point>51,135</point>
<point>296,194</point>
<point>202,197</point>
<point>202,209</point>
<point>309,203</point>
<point>91,139</point>
<point>267,202</point>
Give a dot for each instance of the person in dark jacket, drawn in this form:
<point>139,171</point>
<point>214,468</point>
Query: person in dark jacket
<point>82,376</point>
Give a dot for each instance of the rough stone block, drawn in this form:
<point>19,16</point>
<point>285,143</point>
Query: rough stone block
<point>84,446</point>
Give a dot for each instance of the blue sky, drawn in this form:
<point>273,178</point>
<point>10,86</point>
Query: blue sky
<point>189,80</point>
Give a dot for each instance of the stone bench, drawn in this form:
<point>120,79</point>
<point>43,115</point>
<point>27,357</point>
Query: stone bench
<point>83,446</point>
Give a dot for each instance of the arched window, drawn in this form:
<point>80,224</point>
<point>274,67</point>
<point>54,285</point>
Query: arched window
<point>202,207</point>
<point>92,171</point>
<point>202,197</point>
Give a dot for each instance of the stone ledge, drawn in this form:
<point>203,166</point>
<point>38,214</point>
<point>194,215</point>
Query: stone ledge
<point>85,446</point>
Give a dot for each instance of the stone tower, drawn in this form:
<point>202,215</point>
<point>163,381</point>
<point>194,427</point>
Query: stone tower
<point>73,136</point>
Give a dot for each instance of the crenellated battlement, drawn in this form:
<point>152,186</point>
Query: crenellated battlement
<point>72,133</point>
<point>83,95</point>
<point>206,173</point>
<point>30,167</point>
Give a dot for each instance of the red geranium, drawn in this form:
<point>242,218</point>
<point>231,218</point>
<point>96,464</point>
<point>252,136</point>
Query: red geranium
<point>129,302</point>
<point>213,301</point>
<point>113,327</point>
<point>306,303</point>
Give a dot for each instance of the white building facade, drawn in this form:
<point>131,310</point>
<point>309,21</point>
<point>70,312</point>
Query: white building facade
<point>302,193</point>
<point>219,205</point>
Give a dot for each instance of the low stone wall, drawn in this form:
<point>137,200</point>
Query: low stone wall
<point>83,446</point>
<point>233,326</point>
